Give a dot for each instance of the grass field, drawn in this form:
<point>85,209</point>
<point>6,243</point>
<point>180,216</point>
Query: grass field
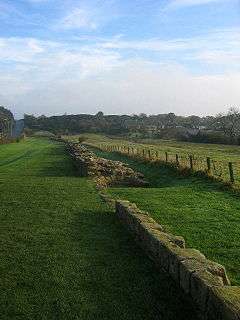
<point>215,151</point>
<point>63,253</point>
<point>207,217</point>
<point>220,155</point>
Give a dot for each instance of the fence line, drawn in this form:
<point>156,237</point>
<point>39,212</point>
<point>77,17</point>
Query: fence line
<point>223,170</point>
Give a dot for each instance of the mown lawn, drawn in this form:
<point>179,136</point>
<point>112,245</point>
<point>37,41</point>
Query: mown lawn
<point>63,253</point>
<point>197,209</point>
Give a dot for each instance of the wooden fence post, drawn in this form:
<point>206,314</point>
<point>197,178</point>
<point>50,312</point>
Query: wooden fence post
<point>166,154</point>
<point>143,153</point>
<point>177,160</point>
<point>230,166</point>
<point>208,165</point>
<point>191,162</point>
<point>149,154</point>
<point>156,154</point>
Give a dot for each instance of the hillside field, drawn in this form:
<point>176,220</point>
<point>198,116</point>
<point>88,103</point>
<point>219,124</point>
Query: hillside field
<point>215,151</point>
<point>207,217</point>
<point>193,207</point>
<point>220,155</point>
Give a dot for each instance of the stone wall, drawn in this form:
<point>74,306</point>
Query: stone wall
<point>204,280</point>
<point>104,171</point>
<point>78,161</point>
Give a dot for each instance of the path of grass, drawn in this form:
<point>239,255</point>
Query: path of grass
<point>207,217</point>
<point>63,253</point>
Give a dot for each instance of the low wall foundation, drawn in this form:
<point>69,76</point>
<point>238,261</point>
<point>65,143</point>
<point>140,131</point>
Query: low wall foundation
<point>204,280</point>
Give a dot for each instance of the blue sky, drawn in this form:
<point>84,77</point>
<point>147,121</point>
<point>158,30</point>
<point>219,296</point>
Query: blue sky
<point>70,56</point>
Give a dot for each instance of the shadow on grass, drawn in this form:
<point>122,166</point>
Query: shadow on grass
<point>191,206</point>
<point>160,176</point>
<point>128,284</point>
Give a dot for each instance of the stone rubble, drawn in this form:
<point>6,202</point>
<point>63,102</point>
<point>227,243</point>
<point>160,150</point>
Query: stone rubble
<point>104,171</point>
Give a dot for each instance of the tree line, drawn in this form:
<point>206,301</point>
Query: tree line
<point>6,123</point>
<point>222,128</point>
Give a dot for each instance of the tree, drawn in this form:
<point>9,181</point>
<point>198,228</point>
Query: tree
<point>100,115</point>
<point>229,123</point>
<point>6,122</point>
<point>171,120</point>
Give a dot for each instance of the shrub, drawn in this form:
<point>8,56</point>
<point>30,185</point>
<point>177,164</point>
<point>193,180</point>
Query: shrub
<point>82,139</point>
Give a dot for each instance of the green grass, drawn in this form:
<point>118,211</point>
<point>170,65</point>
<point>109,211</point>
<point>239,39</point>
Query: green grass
<point>220,155</point>
<point>197,209</point>
<point>215,151</point>
<point>63,253</point>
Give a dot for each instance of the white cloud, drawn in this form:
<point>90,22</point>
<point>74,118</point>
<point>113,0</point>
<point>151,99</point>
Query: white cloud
<point>24,50</point>
<point>224,58</point>
<point>214,40</point>
<point>219,47</point>
<point>79,18</point>
<point>135,86</point>
<point>89,14</point>
<point>53,77</point>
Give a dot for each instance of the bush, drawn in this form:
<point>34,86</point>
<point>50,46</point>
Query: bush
<point>82,139</point>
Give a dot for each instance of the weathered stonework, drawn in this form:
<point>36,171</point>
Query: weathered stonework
<point>105,172</point>
<point>204,280</point>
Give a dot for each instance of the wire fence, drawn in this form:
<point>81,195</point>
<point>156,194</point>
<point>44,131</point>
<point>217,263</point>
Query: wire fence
<point>222,170</point>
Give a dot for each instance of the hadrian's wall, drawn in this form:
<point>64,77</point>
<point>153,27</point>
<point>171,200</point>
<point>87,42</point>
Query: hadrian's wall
<point>204,280</point>
<point>104,171</point>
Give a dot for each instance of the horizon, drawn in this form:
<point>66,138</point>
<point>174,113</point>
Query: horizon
<point>153,57</point>
<point>111,114</point>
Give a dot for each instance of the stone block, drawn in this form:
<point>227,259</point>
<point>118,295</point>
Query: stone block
<point>178,255</point>
<point>186,269</point>
<point>223,303</point>
<point>201,283</point>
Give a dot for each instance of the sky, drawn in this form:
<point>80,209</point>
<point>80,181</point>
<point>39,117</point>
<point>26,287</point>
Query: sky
<point>119,56</point>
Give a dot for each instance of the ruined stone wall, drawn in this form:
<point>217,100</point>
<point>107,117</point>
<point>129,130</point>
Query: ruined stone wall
<point>105,172</point>
<point>204,280</point>
<point>78,161</point>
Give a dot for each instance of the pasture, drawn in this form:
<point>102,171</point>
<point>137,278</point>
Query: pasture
<point>195,208</point>
<point>219,155</point>
<point>214,151</point>
<point>63,253</point>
